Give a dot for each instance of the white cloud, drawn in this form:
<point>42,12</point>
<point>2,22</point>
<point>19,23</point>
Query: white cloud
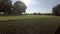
<point>34,3</point>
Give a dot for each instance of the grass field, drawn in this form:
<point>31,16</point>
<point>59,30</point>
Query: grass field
<point>29,24</point>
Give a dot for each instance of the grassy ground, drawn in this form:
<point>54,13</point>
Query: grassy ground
<point>29,24</point>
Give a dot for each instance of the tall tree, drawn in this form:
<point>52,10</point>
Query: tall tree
<point>5,6</point>
<point>56,10</point>
<point>20,7</point>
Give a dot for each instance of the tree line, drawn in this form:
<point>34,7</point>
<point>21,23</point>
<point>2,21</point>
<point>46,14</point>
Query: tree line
<point>55,11</point>
<point>7,8</point>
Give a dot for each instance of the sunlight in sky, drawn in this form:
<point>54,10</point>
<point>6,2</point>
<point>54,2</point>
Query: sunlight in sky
<point>42,6</point>
<point>29,4</point>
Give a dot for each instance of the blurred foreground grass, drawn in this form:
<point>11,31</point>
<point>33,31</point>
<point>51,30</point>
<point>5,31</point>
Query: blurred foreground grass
<point>29,24</point>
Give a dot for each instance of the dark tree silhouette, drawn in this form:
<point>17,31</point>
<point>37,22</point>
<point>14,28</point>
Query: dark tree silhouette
<point>34,13</point>
<point>38,13</point>
<point>5,6</point>
<point>20,7</point>
<point>56,10</point>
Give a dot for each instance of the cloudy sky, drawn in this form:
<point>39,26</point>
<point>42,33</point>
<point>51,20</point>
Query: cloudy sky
<point>42,6</point>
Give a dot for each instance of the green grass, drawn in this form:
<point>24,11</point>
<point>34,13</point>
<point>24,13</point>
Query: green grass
<point>29,24</point>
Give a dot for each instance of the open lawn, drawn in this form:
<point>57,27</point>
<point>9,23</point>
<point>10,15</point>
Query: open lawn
<point>29,24</point>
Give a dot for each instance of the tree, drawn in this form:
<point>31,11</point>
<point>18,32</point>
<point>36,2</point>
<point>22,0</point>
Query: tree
<point>38,13</point>
<point>47,14</point>
<point>56,10</point>
<point>34,13</point>
<point>20,7</point>
<point>5,6</point>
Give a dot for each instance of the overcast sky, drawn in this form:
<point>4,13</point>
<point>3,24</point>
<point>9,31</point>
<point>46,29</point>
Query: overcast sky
<point>42,6</point>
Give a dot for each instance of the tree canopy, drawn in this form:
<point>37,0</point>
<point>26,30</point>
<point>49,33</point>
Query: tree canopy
<point>56,10</point>
<point>6,7</point>
<point>20,7</point>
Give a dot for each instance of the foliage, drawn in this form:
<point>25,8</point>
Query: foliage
<point>36,13</point>
<point>7,8</point>
<point>56,10</point>
<point>20,7</point>
<point>47,14</point>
